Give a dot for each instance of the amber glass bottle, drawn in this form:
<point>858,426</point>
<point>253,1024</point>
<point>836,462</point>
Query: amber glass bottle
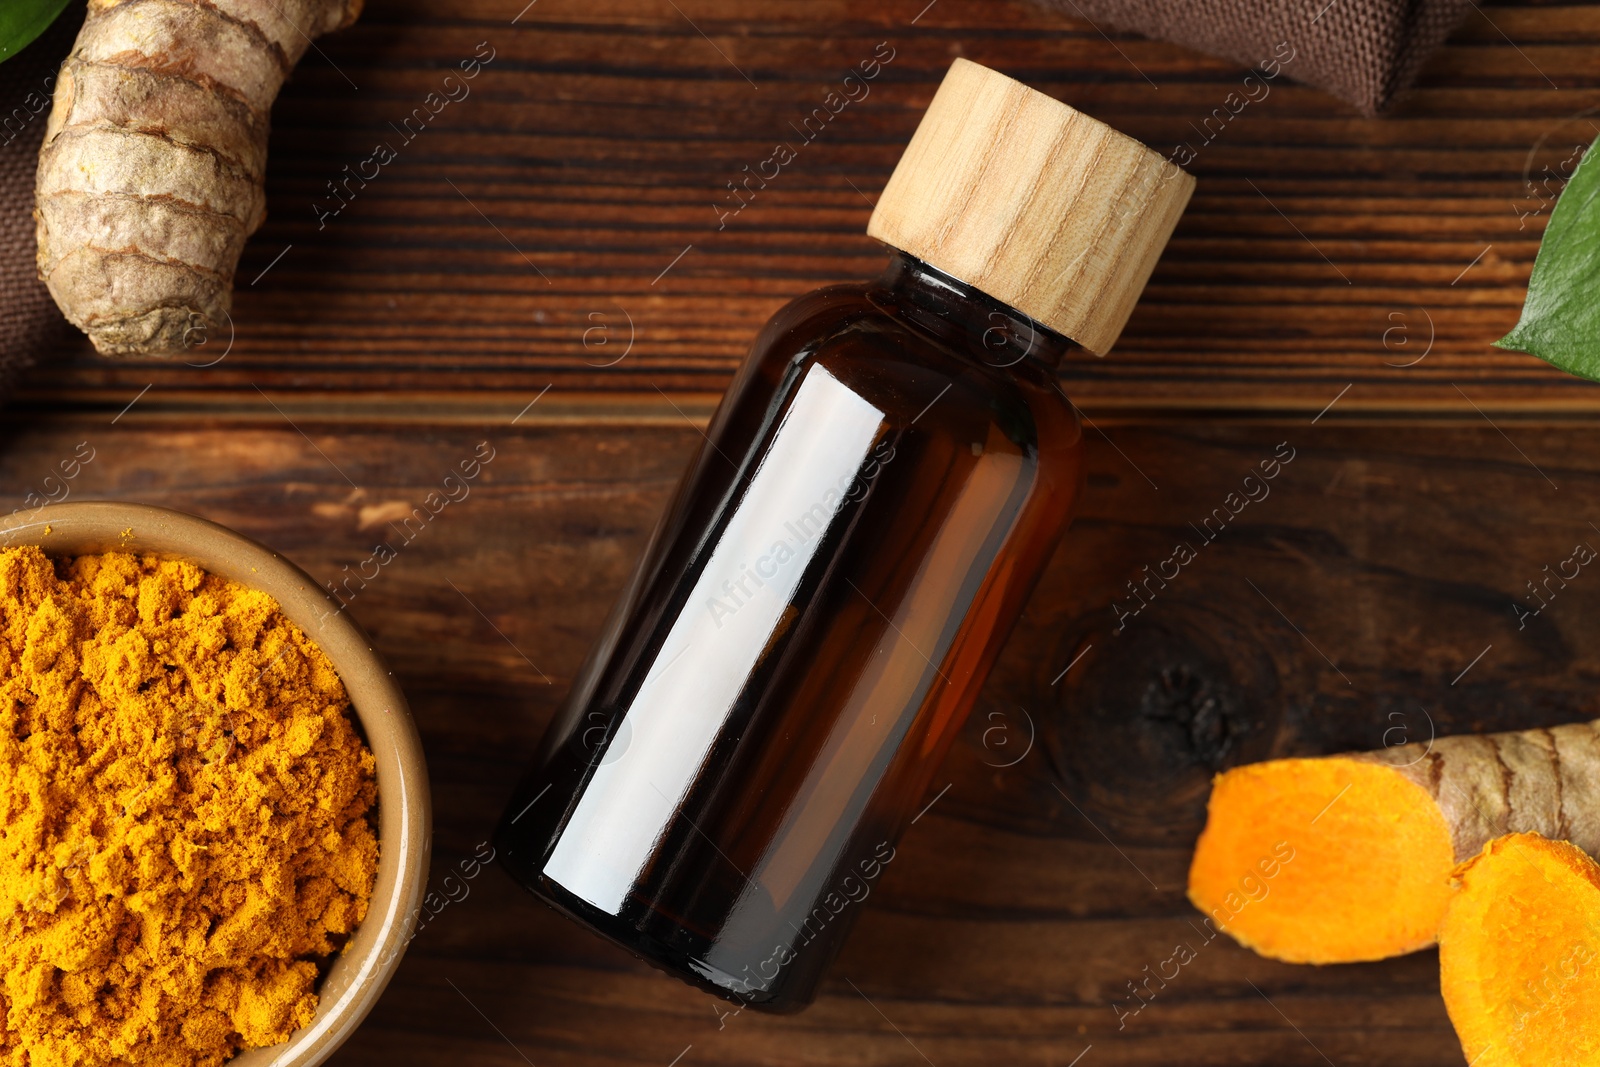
<point>814,616</point>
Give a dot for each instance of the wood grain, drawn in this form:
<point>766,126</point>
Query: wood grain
<point>542,267</point>
<point>1050,873</point>
<point>538,217</point>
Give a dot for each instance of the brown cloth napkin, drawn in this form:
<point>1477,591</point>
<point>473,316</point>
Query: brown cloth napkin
<point>29,321</point>
<point>1364,51</point>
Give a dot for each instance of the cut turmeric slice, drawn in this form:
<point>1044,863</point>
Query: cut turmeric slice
<point>1348,858</point>
<point>1518,955</point>
<point>1362,861</point>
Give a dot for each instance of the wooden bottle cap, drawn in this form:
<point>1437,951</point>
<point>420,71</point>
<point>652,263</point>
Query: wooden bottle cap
<point>1033,202</point>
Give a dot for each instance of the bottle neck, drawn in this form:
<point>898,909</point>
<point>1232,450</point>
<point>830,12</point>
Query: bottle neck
<point>955,313</point>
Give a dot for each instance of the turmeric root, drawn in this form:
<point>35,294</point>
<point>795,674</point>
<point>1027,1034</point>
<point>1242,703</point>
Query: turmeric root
<point>1518,954</point>
<point>1374,837</point>
<point>150,178</point>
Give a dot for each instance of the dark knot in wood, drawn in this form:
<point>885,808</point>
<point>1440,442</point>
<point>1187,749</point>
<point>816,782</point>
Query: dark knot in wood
<point>1138,728</point>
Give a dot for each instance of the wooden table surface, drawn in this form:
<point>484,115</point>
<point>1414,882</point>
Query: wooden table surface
<point>553,239</point>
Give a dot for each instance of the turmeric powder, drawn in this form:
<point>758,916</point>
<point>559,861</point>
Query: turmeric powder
<point>186,814</point>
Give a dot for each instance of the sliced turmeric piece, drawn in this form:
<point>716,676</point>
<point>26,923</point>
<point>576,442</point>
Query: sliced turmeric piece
<point>1361,846</point>
<point>1519,951</point>
<point>1363,857</point>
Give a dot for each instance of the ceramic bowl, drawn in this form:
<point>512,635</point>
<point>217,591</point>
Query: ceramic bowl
<point>371,956</point>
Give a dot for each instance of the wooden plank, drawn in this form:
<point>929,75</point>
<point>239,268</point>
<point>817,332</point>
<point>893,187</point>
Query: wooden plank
<point>1351,599</point>
<point>528,229</point>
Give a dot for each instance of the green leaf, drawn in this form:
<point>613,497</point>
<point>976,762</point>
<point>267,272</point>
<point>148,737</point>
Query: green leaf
<point>1561,318</point>
<point>23,20</point>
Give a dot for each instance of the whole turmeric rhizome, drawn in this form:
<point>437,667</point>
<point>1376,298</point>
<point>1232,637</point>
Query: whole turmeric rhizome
<point>186,814</point>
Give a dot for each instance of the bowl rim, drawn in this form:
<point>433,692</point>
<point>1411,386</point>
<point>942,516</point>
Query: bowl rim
<point>367,962</point>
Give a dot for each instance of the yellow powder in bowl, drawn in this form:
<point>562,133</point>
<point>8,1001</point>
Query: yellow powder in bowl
<point>186,814</point>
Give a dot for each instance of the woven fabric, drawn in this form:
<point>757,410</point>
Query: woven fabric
<point>29,321</point>
<point>1364,51</point>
